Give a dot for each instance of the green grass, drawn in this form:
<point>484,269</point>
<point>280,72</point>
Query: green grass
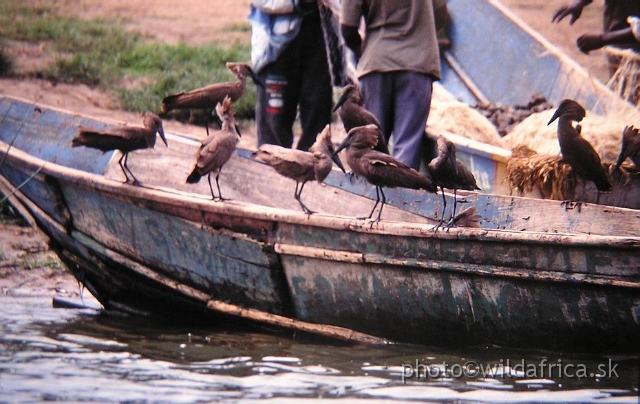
<point>102,54</point>
<point>6,64</point>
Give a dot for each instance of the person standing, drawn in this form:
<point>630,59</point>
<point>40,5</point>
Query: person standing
<point>288,53</point>
<point>398,61</point>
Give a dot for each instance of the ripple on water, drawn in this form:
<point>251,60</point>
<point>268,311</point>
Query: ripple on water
<point>68,355</point>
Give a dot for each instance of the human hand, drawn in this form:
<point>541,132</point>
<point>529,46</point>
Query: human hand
<point>574,9</point>
<point>589,42</point>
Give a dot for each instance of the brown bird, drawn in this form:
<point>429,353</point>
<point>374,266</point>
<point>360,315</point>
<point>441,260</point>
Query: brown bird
<point>217,148</point>
<point>448,172</point>
<point>210,96</point>
<point>630,147</point>
<point>125,139</point>
<point>353,113</point>
<point>379,169</point>
<point>576,151</point>
<point>302,166</point>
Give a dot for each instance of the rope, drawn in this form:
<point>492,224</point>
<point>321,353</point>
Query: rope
<point>25,182</point>
<point>333,44</point>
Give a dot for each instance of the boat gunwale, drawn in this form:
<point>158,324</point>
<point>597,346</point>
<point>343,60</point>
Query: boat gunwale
<point>170,196</point>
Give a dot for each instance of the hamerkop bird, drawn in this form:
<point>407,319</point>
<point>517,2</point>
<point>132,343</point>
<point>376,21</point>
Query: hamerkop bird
<point>210,96</point>
<point>577,151</point>
<point>448,172</point>
<point>630,147</point>
<point>217,148</point>
<point>379,169</point>
<point>125,139</point>
<point>353,113</point>
<point>302,166</point>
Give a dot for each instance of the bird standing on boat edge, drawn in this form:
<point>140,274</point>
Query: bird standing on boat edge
<point>630,147</point>
<point>217,148</point>
<point>210,96</point>
<point>448,172</point>
<point>125,139</point>
<point>576,150</point>
<point>379,169</point>
<point>353,113</point>
<point>302,166</point>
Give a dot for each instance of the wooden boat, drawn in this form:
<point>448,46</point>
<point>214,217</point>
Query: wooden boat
<point>528,65</point>
<point>532,275</point>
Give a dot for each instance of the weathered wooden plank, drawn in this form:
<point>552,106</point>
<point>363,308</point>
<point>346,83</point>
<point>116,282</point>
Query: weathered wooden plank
<point>236,267</point>
<point>564,257</point>
<point>448,308</point>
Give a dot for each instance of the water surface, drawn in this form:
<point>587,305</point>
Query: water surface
<point>83,355</point>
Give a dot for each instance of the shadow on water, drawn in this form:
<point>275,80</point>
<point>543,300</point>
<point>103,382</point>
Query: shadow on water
<point>78,355</point>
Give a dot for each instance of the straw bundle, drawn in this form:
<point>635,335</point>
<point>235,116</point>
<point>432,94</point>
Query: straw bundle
<point>528,171</point>
<point>457,117</point>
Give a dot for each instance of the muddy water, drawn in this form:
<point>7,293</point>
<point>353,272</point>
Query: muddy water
<point>74,355</point>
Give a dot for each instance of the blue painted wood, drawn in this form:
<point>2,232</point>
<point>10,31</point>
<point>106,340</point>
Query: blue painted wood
<point>509,65</point>
<point>47,135</point>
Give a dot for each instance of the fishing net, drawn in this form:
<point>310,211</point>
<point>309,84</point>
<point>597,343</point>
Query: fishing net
<point>626,80</point>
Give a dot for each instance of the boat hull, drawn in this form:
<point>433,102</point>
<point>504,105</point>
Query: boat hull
<point>164,248</point>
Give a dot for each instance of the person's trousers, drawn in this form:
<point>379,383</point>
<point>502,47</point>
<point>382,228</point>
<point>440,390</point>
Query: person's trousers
<point>299,77</point>
<point>401,101</point>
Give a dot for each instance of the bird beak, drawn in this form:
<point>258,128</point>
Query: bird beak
<point>164,139</point>
<point>256,80</point>
<point>621,157</point>
<point>238,130</point>
<point>336,159</point>
<point>341,101</point>
<point>555,116</point>
<point>342,145</point>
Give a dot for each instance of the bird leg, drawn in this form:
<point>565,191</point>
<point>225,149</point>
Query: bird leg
<point>213,196</point>
<point>296,194</point>
<point>374,206</point>
<point>125,168</point>
<point>384,200</point>
<point>570,204</point>
<point>218,185</point>
<point>444,207</point>
<point>451,222</point>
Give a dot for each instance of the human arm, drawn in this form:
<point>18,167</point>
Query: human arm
<point>589,42</point>
<point>352,39</point>
<point>574,9</point>
<point>350,15</point>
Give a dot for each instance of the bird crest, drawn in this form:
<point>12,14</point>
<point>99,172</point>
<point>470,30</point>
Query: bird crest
<point>569,109</point>
<point>225,110</point>
<point>242,71</point>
